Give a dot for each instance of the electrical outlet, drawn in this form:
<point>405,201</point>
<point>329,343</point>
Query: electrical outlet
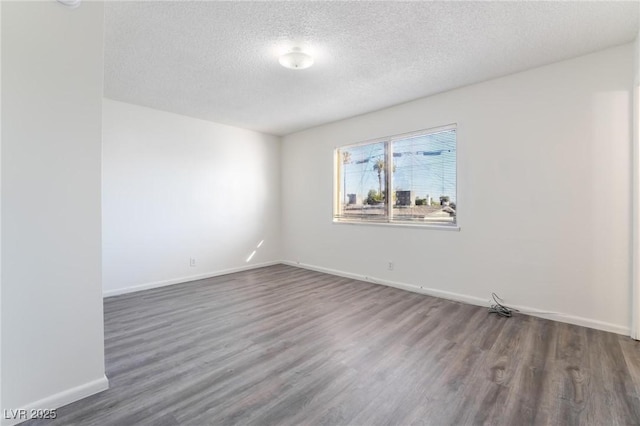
<point>192,262</point>
<point>390,265</point>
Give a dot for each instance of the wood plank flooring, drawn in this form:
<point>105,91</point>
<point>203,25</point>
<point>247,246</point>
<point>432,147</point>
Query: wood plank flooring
<point>288,346</point>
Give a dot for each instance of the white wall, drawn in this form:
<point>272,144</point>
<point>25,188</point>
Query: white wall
<point>1,405</point>
<point>52,325</point>
<point>635,280</point>
<point>544,185</point>
<point>176,188</point>
<point>637,59</point>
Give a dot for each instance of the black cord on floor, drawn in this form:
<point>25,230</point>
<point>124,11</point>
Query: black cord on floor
<point>499,308</point>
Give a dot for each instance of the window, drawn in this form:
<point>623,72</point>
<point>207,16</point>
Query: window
<point>421,169</point>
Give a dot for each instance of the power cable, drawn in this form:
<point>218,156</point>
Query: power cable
<point>499,308</point>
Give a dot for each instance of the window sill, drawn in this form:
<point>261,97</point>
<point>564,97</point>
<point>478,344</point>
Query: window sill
<point>454,227</point>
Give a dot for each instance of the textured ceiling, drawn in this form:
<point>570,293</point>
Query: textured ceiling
<point>219,60</point>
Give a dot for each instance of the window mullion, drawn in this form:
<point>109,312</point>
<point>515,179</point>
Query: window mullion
<point>388,174</point>
<point>339,196</point>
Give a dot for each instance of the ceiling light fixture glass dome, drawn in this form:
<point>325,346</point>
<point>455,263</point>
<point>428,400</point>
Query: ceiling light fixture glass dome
<point>71,4</point>
<point>296,59</point>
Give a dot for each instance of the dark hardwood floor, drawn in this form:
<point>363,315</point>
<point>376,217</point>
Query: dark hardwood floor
<point>288,346</point>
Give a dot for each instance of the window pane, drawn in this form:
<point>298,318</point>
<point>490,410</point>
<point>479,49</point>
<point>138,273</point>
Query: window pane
<point>362,193</point>
<point>424,179</point>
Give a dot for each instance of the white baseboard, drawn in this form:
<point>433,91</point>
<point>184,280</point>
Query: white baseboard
<point>555,316</point>
<point>156,284</point>
<point>60,399</point>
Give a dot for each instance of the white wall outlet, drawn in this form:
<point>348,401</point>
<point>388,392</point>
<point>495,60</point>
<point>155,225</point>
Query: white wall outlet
<point>390,265</point>
<point>192,262</point>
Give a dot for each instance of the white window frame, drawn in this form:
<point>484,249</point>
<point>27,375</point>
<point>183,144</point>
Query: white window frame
<point>388,219</point>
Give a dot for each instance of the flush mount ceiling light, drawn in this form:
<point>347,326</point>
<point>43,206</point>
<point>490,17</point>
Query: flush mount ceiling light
<point>296,59</point>
<point>72,4</point>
